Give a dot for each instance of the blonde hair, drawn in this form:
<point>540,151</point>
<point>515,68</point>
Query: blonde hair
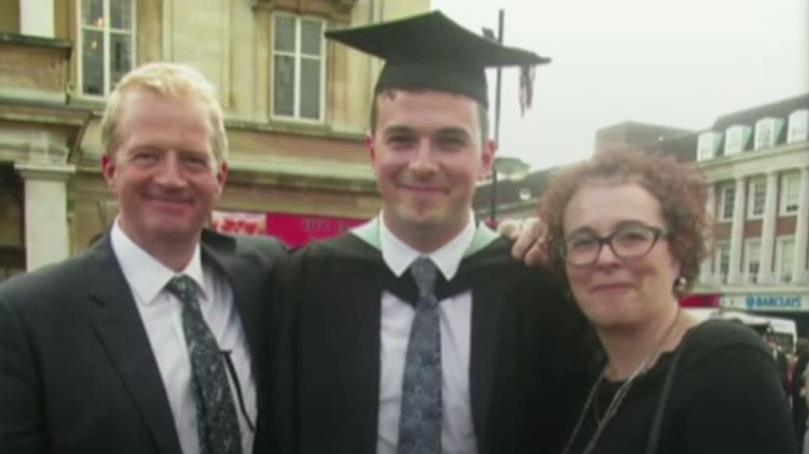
<point>171,80</point>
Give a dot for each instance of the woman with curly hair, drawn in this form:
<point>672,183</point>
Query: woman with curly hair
<point>627,233</point>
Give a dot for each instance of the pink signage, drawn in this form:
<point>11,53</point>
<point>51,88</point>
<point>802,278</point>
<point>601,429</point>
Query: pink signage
<point>238,223</point>
<point>700,300</point>
<point>292,229</point>
<point>296,229</point>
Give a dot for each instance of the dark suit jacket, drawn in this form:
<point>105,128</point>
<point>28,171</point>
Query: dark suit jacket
<point>526,373</point>
<point>77,374</point>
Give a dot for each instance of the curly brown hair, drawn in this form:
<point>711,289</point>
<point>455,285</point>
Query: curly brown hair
<point>680,188</point>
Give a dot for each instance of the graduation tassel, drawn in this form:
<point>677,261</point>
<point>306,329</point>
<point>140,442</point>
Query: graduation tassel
<point>526,87</point>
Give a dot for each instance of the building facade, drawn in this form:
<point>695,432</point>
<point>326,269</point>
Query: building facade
<point>296,109</point>
<point>757,162</point>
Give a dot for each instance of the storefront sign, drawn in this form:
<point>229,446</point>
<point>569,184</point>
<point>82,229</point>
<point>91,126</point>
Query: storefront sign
<point>701,300</point>
<point>239,223</point>
<point>296,230</point>
<point>292,229</point>
<point>767,302</point>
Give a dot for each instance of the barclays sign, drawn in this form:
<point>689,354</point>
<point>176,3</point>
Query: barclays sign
<point>773,302</point>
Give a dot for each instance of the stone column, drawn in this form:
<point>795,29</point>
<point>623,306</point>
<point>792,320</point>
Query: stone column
<point>45,173</point>
<point>799,271</point>
<point>765,267</point>
<point>736,233</point>
<point>36,18</point>
<point>46,224</point>
<point>706,275</point>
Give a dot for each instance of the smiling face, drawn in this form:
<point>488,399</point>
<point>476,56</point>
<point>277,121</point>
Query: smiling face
<point>427,156</point>
<point>162,169</point>
<point>612,291</point>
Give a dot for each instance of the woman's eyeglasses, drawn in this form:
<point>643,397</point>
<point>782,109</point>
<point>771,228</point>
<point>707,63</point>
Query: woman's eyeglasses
<point>627,242</point>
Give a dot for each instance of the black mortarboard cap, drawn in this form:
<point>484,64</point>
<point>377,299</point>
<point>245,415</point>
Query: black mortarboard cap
<point>433,52</point>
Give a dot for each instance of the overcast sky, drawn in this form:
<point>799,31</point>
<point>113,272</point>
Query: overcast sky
<point>678,63</point>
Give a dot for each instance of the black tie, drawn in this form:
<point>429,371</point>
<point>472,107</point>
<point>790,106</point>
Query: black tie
<point>217,425</point>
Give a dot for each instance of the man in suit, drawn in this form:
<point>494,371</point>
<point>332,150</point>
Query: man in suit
<point>418,333</point>
<point>143,343</point>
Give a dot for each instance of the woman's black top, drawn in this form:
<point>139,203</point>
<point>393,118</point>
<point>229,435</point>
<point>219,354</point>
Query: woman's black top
<point>725,399</point>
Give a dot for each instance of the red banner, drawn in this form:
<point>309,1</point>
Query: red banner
<point>293,229</point>
<point>696,300</point>
<point>296,230</point>
<point>238,223</point>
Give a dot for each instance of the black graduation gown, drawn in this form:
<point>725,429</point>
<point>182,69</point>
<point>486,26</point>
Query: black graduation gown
<point>526,365</point>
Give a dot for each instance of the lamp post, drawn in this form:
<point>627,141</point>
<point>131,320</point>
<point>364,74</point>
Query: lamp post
<point>489,34</point>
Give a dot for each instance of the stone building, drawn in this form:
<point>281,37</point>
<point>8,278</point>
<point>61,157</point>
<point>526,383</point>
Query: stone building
<point>296,111</point>
<point>757,161</point>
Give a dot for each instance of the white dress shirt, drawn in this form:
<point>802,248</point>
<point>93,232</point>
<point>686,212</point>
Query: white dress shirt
<point>161,313</point>
<point>457,431</point>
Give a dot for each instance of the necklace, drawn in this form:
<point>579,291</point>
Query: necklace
<point>618,398</point>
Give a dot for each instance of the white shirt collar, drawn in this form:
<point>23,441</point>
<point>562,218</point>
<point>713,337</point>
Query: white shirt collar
<point>399,256</point>
<point>146,275</point>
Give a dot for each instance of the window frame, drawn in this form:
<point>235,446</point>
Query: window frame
<point>780,246</point>
<point>106,31</point>
<point>752,277</point>
<point>721,247</point>
<point>797,126</point>
<point>723,201</point>
<point>789,180</point>
<point>771,126</point>
<point>752,185</point>
<point>298,57</point>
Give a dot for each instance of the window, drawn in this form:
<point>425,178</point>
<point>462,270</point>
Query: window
<point>798,126</point>
<point>707,145</point>
<point>790,192</point>
<point>736,139</point>
<point>723,258</point>
<point>785,254</point>
<point>752,259</point>
<point>767,131</point>
<point>106,43</point>
<point>298,68</point>
<point>727,195</point>
<point>757,194</point>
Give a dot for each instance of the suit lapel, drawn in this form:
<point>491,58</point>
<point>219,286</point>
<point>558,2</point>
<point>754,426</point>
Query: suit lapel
<point>120,329</point>
<point>221,252</point>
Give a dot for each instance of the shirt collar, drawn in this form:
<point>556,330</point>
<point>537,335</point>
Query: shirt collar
<point>145,274</point>
<point>399,256</point>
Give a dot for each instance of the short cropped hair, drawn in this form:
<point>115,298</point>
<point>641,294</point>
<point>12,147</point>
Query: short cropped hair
<point>483,112</point>
<point>170,80</point>
<point>680,188</point>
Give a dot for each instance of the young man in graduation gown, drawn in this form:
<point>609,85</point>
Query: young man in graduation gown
<point>418,333</point>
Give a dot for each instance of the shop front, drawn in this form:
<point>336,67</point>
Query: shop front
<point>293,229</point>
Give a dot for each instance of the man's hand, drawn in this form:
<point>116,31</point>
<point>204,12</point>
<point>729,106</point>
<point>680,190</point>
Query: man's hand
<point>529,235</point>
